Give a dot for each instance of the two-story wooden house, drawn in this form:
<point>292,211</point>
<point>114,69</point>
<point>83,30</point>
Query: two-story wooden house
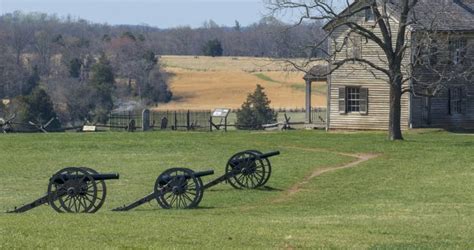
<point>358,97</point>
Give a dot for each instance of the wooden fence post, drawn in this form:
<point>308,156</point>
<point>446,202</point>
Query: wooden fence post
<point>188,126</point>
<point>175,121</point>
<point>225,124</point>
<point>210,123</point>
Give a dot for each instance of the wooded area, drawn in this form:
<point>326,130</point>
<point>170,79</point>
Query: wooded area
<point>88,69</point>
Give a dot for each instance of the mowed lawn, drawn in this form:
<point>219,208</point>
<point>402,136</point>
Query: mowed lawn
<point>418,193</point>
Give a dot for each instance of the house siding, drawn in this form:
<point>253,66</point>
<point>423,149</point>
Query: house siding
<point>440,116</point>
<point>377,117</point>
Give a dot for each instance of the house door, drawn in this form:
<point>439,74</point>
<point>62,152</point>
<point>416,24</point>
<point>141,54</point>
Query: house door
<point>426,114</point>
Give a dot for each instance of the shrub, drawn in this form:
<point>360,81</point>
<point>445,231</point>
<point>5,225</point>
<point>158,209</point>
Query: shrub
<point>255,111</point>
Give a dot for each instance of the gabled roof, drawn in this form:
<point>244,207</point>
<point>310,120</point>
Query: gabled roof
<point>439,15</point>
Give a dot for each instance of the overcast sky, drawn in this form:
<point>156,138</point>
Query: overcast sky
<point>159,13</point>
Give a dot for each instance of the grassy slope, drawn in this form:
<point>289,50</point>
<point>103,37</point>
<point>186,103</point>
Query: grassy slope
<point>418,193</point>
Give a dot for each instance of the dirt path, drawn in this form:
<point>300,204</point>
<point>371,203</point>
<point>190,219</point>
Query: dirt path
<point>360,158</point>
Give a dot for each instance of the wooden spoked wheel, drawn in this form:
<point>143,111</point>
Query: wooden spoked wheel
<point>267,167</point>
<point>178,188</point>
<point>248,170</point>
<point>73,190</point>
<point>101,191</point>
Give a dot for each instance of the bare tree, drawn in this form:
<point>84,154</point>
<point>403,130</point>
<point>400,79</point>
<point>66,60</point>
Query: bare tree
<point>21,32</point>
<point>418,24</point>
<point>133,60</point>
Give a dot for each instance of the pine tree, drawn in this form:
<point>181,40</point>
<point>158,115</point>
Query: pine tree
<point>37,107</point>
<point>102,84</point>
<point>237,26</point>
<point>213,48</point>
<point>255,111</point>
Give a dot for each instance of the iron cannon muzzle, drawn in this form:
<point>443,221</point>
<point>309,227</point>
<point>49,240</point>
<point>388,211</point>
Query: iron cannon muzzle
<point>108,176</point>
<point>269,154</point>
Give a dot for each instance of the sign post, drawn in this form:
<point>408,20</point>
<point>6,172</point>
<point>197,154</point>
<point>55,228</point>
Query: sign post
<point>221,113</point>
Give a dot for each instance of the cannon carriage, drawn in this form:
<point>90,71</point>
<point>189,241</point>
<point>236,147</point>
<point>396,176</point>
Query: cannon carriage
<point>73,190</point>
<point>182,188</point>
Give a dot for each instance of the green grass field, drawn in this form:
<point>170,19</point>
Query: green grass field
<point>418,193</point>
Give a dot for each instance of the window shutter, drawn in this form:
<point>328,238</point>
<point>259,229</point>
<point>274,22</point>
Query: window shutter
<point>342,100</point>
<point>364,101</point>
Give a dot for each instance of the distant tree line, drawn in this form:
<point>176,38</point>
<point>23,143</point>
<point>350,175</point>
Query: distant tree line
<point>267,38</point>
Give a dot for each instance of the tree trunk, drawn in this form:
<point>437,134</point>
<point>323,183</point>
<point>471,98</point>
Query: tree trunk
<point>394,129</point>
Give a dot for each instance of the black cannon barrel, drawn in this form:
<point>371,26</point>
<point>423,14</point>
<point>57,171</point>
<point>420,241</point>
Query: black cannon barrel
<point>204,173</point>
<point>269,154</point>
<point>252,158</point>
<point>166,178</point>
<point>97,177</point>
<point>108,176</point>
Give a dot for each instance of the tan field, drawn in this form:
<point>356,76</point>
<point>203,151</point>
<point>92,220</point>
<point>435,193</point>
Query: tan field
<point>207,82</point>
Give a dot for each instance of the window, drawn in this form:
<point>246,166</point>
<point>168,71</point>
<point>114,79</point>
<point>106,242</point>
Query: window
<point>353,100</point>
<point>369,15</point>
<point>455,101</point>
<point>457,50</point>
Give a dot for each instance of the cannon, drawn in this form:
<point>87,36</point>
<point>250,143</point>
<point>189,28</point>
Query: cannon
<point>174,188</point>
<point>183,188</point>
<point>248,169</point>
<point>73,190</point>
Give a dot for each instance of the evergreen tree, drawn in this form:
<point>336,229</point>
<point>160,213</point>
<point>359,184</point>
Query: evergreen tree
<point>213,48</point>
<point>237,26</point>
<point>102,84</point>
<point>37,107</point>
<point>255,111</point>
